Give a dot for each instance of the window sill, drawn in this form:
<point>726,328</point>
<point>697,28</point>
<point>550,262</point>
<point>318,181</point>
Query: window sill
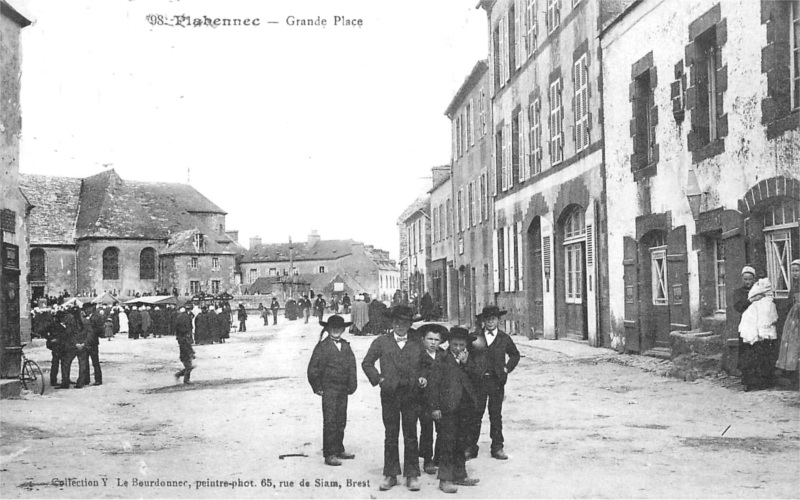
<point>645,172</point>
<point>708,150</point>
<point>782,125</point>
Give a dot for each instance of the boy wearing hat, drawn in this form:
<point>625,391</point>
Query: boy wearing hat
<point>431,336</point>
<point>332,375</point>
<point>490,349</point>
<point>183,334</point>
<point>452,400</point>
<point>400,394</point>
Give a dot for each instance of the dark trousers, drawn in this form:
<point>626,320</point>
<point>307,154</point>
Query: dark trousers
<point>54,366</point>
<point>454,440</point>
<point>242,325</point>
<point>94,354</point>
<point>489,390</point>
<point>334,420</point>
<point>186,355</point>
<point>83,367</point>
<point>274,316</point>
<point>427,450</point>
<point>400,406</point>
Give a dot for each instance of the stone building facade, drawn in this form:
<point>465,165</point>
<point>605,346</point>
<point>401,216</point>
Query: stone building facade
<point>702,146</point>
<point>549,218</point>
<point>362,267</point>
<point>442,271</point>
<point>14,207</point>
<point>471,119</point>
<point>105,234</point>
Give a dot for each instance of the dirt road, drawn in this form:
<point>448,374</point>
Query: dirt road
<point>579,422</point>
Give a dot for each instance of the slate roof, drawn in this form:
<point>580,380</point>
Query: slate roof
<point>423,204</point>
<point>279,252</point>
<point>55,203</point>
<point>183,243</point>
<point>106,206</point>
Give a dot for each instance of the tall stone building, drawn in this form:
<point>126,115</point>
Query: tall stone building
<point>549,207</point>
<point>415,248</point>
<point>105,234</point>
<point>14,207</point>
<point>470,114</point>
<point>442,272</point>
<point>701,123</point>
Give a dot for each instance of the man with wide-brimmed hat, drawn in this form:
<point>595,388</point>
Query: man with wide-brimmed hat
<point>495,356</point>
<point>452,399</point>
<point>332,375</point>
<point>400,395</point>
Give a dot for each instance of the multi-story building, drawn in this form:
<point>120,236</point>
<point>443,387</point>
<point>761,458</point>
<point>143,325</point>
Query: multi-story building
<point>361,267</point>
<point>701,118</point>
<point>471,119</point>
<point>442,271</point>
<point>105,234</point>
<point>549,218</point>
<point>415,246</point>
<point>15,327</point>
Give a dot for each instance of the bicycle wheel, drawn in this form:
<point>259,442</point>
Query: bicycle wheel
<point>32,378</point>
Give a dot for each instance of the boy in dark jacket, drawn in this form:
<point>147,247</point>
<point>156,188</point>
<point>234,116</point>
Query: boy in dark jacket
<point>431,336</point>
<point>452,399</point>
<point>332,375</point>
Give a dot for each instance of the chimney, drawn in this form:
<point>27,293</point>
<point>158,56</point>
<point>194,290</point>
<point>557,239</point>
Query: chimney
<point>439,173</point>
<point>255,241</point>
<point>313,238</point>
<point>234,235</point>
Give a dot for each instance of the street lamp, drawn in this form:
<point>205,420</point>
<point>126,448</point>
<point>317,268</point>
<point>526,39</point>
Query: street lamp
<point>694,195</point>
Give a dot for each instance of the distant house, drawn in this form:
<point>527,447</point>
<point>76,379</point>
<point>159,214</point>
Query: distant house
<point>103,233</point>
<point>318,262</point>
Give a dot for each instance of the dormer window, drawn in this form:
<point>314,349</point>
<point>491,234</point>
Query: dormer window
<point>200,242</point>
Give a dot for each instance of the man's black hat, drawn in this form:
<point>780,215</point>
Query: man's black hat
<point>423,330</point>
<point>491,310</point>
<point>459,332</point>
<point>334,321</point>
<point>400,312</point>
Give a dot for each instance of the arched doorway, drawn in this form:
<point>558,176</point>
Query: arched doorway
<point>571,273</point>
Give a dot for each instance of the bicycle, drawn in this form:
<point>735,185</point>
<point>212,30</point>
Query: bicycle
<point>31,376</point>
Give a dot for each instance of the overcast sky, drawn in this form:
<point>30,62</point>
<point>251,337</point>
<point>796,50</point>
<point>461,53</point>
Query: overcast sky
<point>287,128</point>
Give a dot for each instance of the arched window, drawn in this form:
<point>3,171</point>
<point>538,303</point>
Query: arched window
<point>147,264</point>
<point>111,263</point>
<point>38,267</point>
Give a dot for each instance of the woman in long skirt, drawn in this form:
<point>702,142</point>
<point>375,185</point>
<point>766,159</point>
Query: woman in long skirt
<point>790,340</point>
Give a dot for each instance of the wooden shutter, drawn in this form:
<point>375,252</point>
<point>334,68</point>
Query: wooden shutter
<point>495,260</point>
<point>591,276</point>
<point>630,267</point>
<point>678,280</point>
<point>508,258</point>
<point>520,268</point>
<point>548,293</point>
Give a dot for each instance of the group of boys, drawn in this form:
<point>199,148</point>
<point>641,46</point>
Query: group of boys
<point>75,333</point>
<point>420,382</point>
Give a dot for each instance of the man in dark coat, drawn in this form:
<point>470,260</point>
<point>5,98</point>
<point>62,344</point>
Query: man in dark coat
<point>157,317</point>
<point>55,335</point>
<point>346,303</point>
<point>491,348</point>
<point>202,336</point>
<point>97,322</point>
<point>274,306</point>
<point>319,306</point>
<point>69,348</point>
<point>183,333</point>
<point>332,375</point>
<point>400,393</point>
<point>134,323</point>
<point>452,399</point>
<point>426,307</point>
<point>241,315</point>
<point>214,332</point>
<point>377,318</point>
<point>431,336</point>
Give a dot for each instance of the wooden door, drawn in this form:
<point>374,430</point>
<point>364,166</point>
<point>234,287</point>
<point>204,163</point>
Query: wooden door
<point>536,285</point>
<point>575,290</point>
<point>678,279</point>
<point>630,265</point>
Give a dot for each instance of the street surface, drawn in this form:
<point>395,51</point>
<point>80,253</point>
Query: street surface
<point>579,422</point>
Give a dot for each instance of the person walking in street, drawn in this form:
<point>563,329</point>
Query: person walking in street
<point>757,332</point>
<point>214,333</point>
<point>183,334</point>
<point>241,315</point>
<point>431,335</point>
<point>346,303</point>
<point>789,354</point>
<point>263,312</point>
<point>319,306</point>
<point>452,399</point>
<point>135,320</point>
<point>274,306</point>
<point>398,377</point>
<point>426,307</point>
<point>360,316</point>
<point>147,321</point>
<point>495,356</point>
<point>332,375</point>
<point>305,307</point>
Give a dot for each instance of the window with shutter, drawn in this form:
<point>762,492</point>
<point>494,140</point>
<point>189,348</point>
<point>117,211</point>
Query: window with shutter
<point>531,19</point>
<point>520,273</point>
<point>546,255</point>
<point>553,15</point>
<point>556,123</point>
<point>508,241</point>
<point>580,77</point>
<point>495,260</point>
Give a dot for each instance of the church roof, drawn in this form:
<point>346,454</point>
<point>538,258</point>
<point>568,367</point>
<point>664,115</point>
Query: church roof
<point>183,242</point>
<point>106,206</point>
